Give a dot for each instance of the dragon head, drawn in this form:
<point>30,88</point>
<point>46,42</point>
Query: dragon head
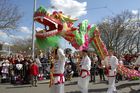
<point>53,23</point>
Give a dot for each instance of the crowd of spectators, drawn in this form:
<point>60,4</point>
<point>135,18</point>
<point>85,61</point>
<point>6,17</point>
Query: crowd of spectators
<point>17,68</point>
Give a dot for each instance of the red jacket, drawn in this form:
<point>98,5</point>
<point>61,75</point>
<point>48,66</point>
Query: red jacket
<point>34,70</point>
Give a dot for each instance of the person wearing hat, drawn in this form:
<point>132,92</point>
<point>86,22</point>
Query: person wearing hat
<point>111,64</point>
<point>85,67</point>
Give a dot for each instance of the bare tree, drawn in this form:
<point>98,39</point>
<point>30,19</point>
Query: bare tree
<point>119,34</point>
<point>23,45</point>
<point>9,15</point>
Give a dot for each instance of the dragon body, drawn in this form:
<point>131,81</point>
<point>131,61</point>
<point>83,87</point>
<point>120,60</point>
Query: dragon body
<point>57,25</point>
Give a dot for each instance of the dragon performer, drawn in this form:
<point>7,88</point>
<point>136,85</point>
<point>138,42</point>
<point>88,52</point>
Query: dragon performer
<point>58,25</point>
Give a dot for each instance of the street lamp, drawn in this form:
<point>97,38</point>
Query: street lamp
<point>33,32</point>
<point>9,48</point>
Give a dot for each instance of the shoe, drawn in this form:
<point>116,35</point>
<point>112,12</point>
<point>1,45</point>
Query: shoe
<point>107,82</point>
<point>101,81</point>
<point>35,85</point>
<point>94,82</point>
<point>90,81</point>
<point>116,81</point>
<point>114,91</point>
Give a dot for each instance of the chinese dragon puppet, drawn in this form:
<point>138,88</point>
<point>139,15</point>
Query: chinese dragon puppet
<point>58,25</point>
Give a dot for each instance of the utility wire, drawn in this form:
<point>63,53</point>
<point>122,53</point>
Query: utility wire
<point>90,9</point>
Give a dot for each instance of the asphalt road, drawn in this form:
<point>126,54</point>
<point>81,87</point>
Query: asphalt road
<point>71,87</point>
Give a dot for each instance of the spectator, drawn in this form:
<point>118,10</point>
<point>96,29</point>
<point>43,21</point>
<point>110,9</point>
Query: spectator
<point>5,72</point>
<point>101,70</point>
<point>137,63</point>
<point>118,75</point>
<point>69,72</point>
<point>34,73</point>
<point>94,66</point>
<point>39,64</point>
<point>26,71</point>
<point>121,61</point>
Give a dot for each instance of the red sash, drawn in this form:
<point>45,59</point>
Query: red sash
<point>61,78</point>
<point>84,70</point>
<point>107,72</point>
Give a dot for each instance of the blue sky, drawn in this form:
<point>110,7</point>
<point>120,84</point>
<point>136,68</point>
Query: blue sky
<point>95,10</point>
<point>93,15</point>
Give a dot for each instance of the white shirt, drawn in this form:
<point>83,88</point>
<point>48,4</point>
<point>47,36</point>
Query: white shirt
<point>38,62</point>
<point>111,61</point>
<point>61,54</point>
<point>95,59</point>
<point>86,63</point>
<point>4,68</point>
<point>59,65</point>
<point>19,66</point>
<point>121,62</point>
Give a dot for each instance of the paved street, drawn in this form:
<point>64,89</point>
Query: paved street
<point>71,87</point>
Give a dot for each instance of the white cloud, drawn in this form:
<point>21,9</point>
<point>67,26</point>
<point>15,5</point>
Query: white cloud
<point>28,37</point>
<point>3,33</point>
<point>16,37</point>
<point>70,7</point>
<point>135,12</point>
<point>25,29</point>
<point>3,36</point>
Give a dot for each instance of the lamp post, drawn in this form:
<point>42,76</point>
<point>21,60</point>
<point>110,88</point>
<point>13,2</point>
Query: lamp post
<point>33,32</point>
<point>8,48</point>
